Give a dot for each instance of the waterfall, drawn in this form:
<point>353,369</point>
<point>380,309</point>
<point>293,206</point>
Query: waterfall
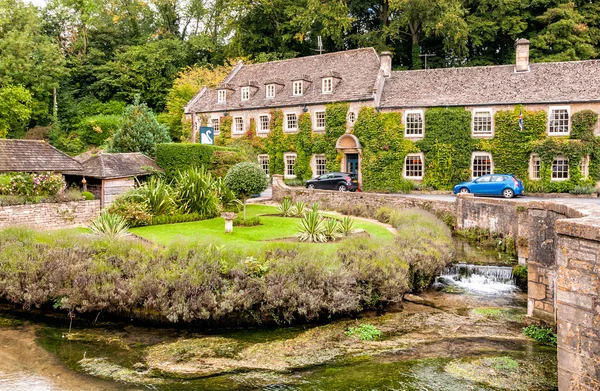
<point>493,273</point>
<point>479,278</point>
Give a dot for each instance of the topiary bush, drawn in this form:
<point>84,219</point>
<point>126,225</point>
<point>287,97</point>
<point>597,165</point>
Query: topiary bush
<point>88,196</point>
<point>175,157</point>
<point>245,180</point>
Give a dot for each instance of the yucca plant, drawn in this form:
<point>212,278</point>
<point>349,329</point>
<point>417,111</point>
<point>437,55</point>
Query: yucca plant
<point>196,192</point>
<point>332,229</point>
<point>346,226</point>
<point>312,229</point>
<point>315,207</point>
<point>299,209</point>
<point>285,209</point>
<point>157,196</point>
<point>110,226</point>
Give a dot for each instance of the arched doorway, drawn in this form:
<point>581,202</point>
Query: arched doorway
<point>349,145</point>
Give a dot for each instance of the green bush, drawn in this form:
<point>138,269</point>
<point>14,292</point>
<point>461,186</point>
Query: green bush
<point>88,196</point>
<point>541,334</point>
<point>31,184</point>
<point>246,179</point>
<point>346,226</point>
<point>175,219</point>
<point>97,129</point>
<point>157,195</point>
<point>110,226</point>
<point>134,212</point>
<point>332,229</point>
<point>312,228</point>
<point>364,332</point>
<point>383,214</point>
<point>583,189</point>
<point>175,157</point>
<point>286,208</point>
<point>294,182</point>
<point>250,222</point>
<point>195,193</point>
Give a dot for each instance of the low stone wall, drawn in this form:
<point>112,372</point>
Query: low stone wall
<point>50,215</point>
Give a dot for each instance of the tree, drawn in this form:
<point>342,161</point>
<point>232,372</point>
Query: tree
<point>15,110</point>
<point>138,131</point>
<point>246,179</point>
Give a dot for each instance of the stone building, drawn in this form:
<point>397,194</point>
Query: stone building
<point>363,77</point>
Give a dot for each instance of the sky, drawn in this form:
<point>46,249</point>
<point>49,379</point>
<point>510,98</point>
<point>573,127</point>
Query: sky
<point>39,3</point>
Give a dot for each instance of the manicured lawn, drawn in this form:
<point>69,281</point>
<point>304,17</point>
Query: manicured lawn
<point>265,235</point>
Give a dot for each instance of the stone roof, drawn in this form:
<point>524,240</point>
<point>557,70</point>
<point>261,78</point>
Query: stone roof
<point>559,82</point>
<point>34,156</point>
<point>355,74</point>
<point>118,165</point>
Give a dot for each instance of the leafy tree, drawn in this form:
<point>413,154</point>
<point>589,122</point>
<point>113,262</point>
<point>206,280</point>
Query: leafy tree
<point>246,179</point>
<point>15,110</point>
<point>138,131</point>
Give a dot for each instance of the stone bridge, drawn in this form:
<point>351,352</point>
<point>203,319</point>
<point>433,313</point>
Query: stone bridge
<point>560,242</point>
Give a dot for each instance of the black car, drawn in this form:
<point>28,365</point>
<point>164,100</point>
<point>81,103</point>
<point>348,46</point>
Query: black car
<point>341,181</point>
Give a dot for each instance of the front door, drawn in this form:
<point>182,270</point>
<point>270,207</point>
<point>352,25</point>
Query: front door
<point>352,163</point>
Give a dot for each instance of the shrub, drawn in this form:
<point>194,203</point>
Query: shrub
<point>195,193</point>
<point>294,182</point>
<point>174,219</point>
<point>134,213</point>
<point>175,157</point>
<point>312,228</point>
<point>332,229</point>
<point>246,179</point>
<point>31,185</point>
<point>299,209</point>
<point>541,334</point>
<point>157,195</point>
<point>97,129</point>
<point>87,195</point>
<point>346,226</point>
<point>583,189</point>
<point>364,332</point>
<point>383,214</point>
<point>251,222</point>
<point>110,226</point>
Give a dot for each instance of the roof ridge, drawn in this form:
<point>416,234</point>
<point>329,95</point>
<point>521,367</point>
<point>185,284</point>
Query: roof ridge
<point>370,48</point>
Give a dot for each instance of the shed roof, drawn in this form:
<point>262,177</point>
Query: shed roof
<point>118,165</point>
<point>558,82</point>
<point>355,73</point>
<point>34,156</point>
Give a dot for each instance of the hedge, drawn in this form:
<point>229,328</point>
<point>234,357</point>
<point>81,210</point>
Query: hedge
<point>173,157</point>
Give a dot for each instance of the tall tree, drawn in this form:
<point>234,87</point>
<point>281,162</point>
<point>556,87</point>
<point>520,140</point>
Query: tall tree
<point>15,110</point>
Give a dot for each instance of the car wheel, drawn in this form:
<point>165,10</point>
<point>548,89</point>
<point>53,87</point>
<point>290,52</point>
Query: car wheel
<point>342,188</point>
<point>464,190</point>
<point>311,186</point>
<point>508,193</point>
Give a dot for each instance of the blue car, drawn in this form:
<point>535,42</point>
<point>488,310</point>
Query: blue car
<point>506,185</point>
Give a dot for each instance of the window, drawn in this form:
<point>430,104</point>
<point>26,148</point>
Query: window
<point>291,121</point>
<point>238,125</point>
<point>414,123</point>
<point>482,122</point>
<point>289,160</point>
<point>413,166</point>
<point>558,121</point>
<point>352,117</point>
<point>222,96</point>
<point>297,88</point>
<point>584,167</point>
<point>263,162</point>
<point>327,86</point>
<point>263,123</point>
<point>270,91</point>
<point>216,124</point>
<point>481,164</point>
<point>535,165</point>
<point>320,120</point>
<point>320,165</point>
<point>560,168</point>
<point>245,93</point>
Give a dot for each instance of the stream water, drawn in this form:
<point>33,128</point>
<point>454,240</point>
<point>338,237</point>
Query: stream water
<point>467,336</point>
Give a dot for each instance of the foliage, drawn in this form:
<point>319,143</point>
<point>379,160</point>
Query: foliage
<point>110,226</point>
<point>138,131</point>
<point>157,195</point>
<point>582,125</point>
<point>286,208</point>
<point>346,226</point>
<point>299,209</point>
<point>383,214</point>
<point>15,110</point>
<point>95,130</point>
<point>135,213</point>
<point>583,189</point>
<point>31,185</point>
<point>312,228</point>
<point>541,334</point>
<point>173,157</point>
<point>332,229</point>
<point>177,218</point>
<point>195,192</point>
<point>364,332</point>
<point>250,222</point>
<point>294,182</point>
<point>246,179</point>
<point>88,196</point>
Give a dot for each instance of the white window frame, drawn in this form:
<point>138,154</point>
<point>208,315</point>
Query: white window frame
<point>532,159</point>
<point>584,167</point>
<point>552,178</point>
<point>263,162</point>
<point>481,154</point>
<point>316,125</point>
<point>406,114</point>
<point>217,128</point>
<point>327,85</point>
<point>316,165</point>
<point>286,174</point>
<point>245,92</point>
<point>260,123</point>
<point>298,88</point>
<point>221,96</point>
<point>491,114</point>
<point>404,170</point>
<point>351,118</point>
<point>235,123</point>
<point>550,110</point>
<point>286,128</point>
<point>270,91</point>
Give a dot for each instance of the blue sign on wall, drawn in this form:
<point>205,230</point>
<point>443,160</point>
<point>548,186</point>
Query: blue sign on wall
<point>207,135</point>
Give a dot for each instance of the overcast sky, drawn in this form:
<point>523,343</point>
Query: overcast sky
<point>39,3</point>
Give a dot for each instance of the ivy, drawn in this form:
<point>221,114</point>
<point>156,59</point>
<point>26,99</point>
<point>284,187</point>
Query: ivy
<point>224,137</point>
<point>335,127</point>
<point>276,143</point>
<point>582,126</point>
<point>303,145</point>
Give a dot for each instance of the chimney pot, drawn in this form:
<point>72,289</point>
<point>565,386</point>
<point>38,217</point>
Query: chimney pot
<point>522,58</point>
<point>386,63</point>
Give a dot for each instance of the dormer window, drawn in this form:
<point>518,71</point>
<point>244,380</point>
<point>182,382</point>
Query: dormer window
<point>327,85</point>
<point>270,91</point>
<point>298,88</point>
<point>221,96</point>
<point>245,93</point>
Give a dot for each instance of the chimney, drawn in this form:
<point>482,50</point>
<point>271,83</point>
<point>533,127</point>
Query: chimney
<point>522,46</point>
<point>386,63</point>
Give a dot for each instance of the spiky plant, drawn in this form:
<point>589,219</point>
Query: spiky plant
<point>315,207</point>
<point>312,229</point>
<point>347,226</point>
<point>157,196</point>
<point>299,209</point>
<point>110,226</point>
<point>196,192</point>
<point>285,209</point>
<point>332,229</point>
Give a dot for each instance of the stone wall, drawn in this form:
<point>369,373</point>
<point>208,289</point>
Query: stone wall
<point>50,215</point>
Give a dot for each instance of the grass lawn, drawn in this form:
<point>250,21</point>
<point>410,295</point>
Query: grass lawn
<point>265,235</point>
